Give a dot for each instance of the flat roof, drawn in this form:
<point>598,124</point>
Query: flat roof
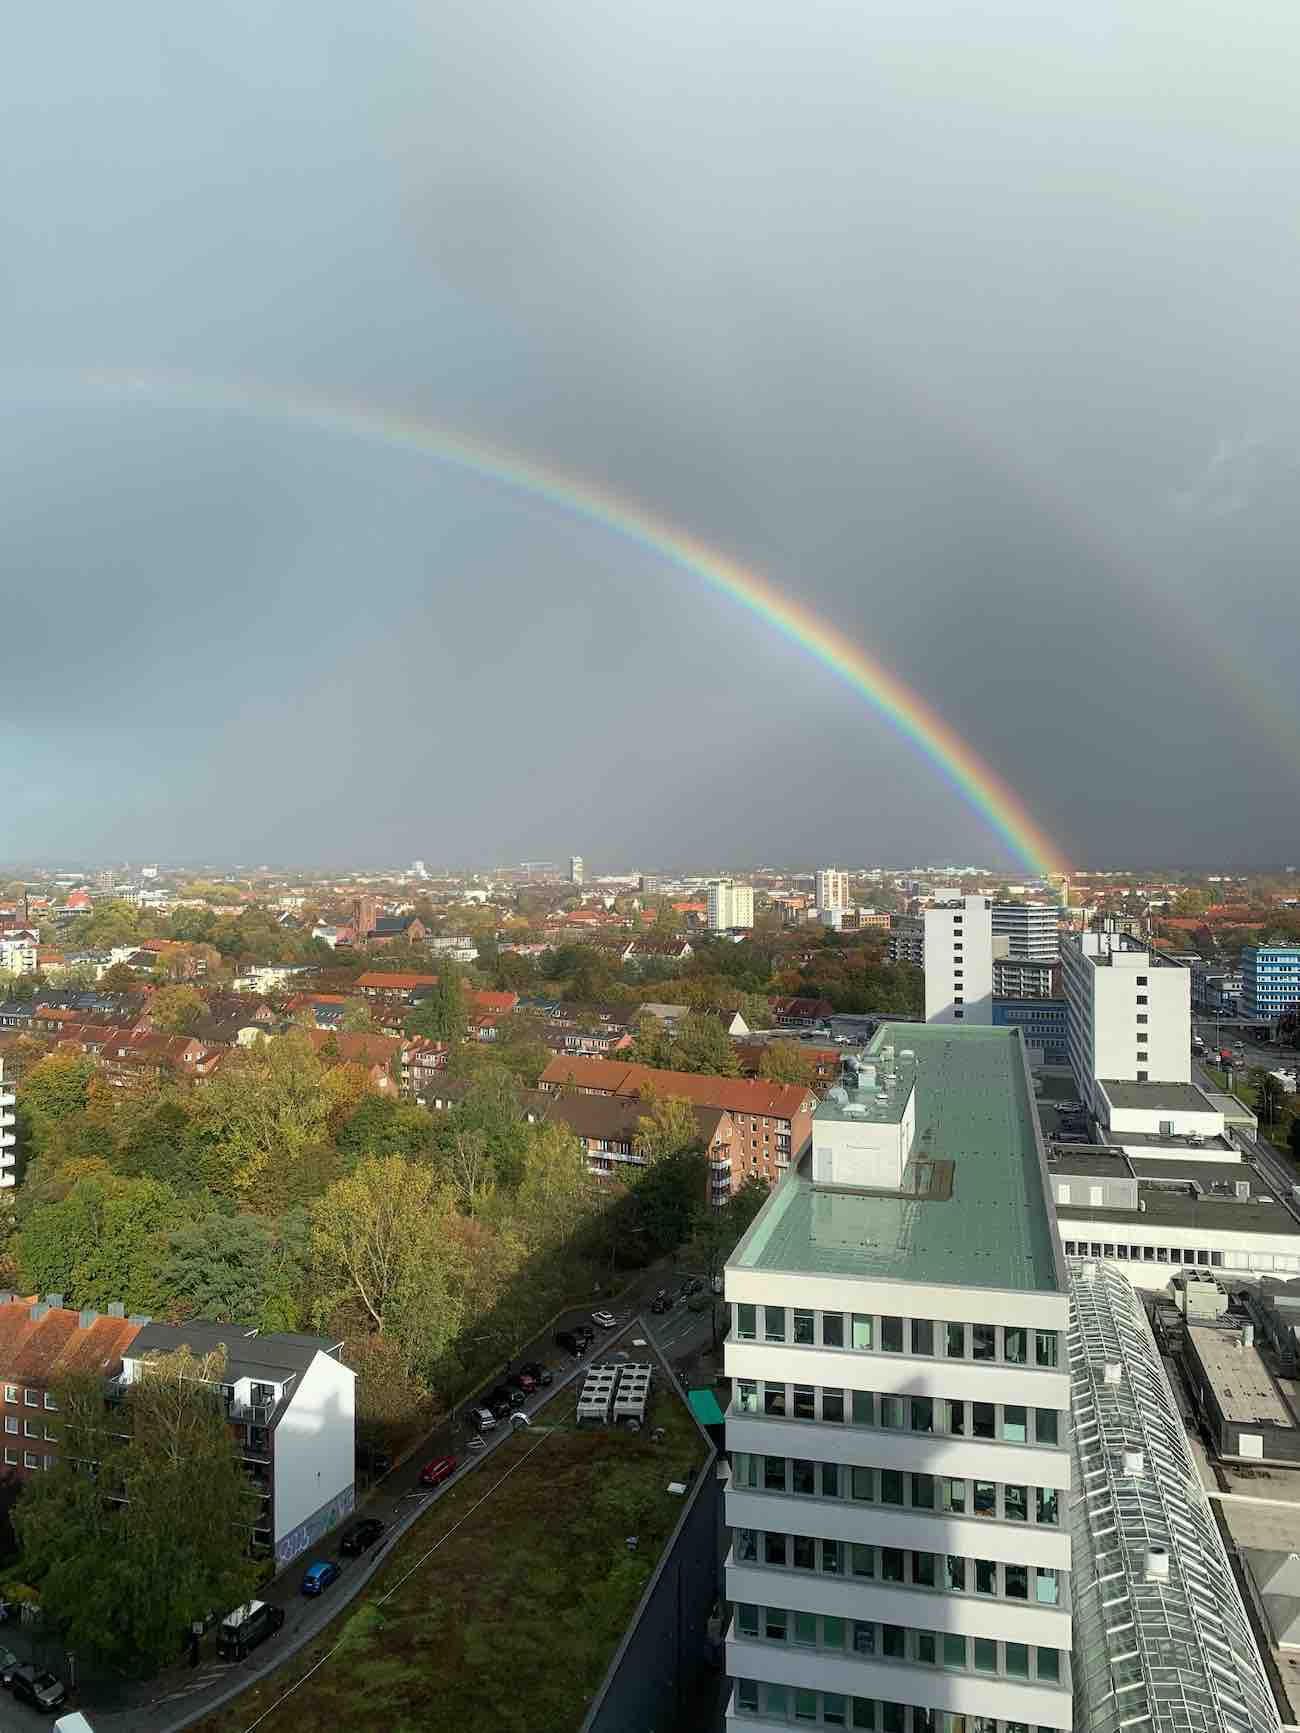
<point>993,1228</point>
<point>1193,1214</point>
<point>1240,1380</point>
<point>1186,1097</point>
<point>1207,1174</point>
<point>1093,1162</point>
<point>1169,1140</point>
<point>881,1103</point>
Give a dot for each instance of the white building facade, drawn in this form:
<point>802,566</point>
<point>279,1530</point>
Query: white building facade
<point>8,1133</point>
<point>832,889</point>
<point>899,1422</point>
<point>730,905</point>
<point>1129,1014</point>
<point>577,871</point>
<point>959,962</point>
<point>1032,930</point>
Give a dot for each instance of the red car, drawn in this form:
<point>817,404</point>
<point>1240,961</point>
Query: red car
<point>440,1469</point>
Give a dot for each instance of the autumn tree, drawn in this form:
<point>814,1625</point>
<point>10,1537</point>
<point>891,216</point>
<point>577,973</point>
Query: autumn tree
<point>440,1015</point>
<point>127,1559</point>
<point>786,1062</point>
<point>265,1105</point>
<point>700,1043</point>
<point>105,1241</point>
<point>667,1127</point>
<point>177,1010</point>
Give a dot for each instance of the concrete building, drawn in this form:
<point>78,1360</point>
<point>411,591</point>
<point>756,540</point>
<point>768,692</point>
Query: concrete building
<point>959,962</point>
<point>1244,1410</point>
<point>1162,1641</point>
<point>1270,981</point>
<point>730,905</point>
<point>291,1402</point>
<point>907,940</point>
<point>1032,930</point>
<point>832,889</point>
<point>1129,1014</point>
<point>1042,1022</point>
<point>577,871</point>
<point>18,953</point>
<point>899,1422</point>
<point>8,1132</point>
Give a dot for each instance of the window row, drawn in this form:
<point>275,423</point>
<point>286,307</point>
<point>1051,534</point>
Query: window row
<point>947,1650</point>
<point>874,1332</point>
<point>1004,1501</point>
<point>29,1398</point>
<point>1143,1254</point>
<point>30,1459</point>
<point>1011,1422</point>
<point>948,1573</point>
<point>31,1428</point>
<point>864,1714</point>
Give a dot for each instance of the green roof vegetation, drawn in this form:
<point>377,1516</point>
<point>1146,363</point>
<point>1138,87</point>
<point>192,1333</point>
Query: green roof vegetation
<point>505,1616</point>
<point>973,1108</point>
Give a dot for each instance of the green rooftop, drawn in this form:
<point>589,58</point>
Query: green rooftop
<point>973,1109</point>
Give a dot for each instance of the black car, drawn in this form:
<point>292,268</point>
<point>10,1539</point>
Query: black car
<point>585,1334</point>
<point>535,1370</point>
<point>246,1627</point>
<point>500,1401</point>
<point>361,1538</point>
<point>35,1686</point>
<point>567,1340</point>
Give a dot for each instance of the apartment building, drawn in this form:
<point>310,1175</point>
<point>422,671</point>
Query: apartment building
<point>8,1132</point>
<point>1163,1640</point>
<point>1270,982</point>
<point>1024,977</point>
<point>1032,930</point>
<point>292,1405</point>
<point>959,961</point>
<point>899,1423</point>
<point>771,1122</point>
<point>1128,1014</point>
<point>41,1343</point>
<point>832,889</point>
<point>730,905</point>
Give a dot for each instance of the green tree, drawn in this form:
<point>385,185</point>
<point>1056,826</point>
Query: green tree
<point>220,1268</point>
<point>700,1043</point>
<point>383,1253</point>
<point>105,1241</point>
<point>440,1015</point>
<point>382,1126</point>
<point>117,978</point>
<point>664,1199</point>
<point>652,1044</point>
<point>786,1062</point>
<point>264,1106</point>
<point>54,1090</point>
<point>177,1010</point>
<point>667,1128</point>
<point>358,1018</point>
<point>124,1580</point>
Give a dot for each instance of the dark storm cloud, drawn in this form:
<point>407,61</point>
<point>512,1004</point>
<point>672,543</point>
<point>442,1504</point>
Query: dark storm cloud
<point>974,330</point>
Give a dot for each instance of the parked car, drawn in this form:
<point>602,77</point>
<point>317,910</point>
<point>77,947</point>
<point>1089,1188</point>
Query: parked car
<point>542,1374</point>
<point>480,1419</point>
<point>568,1341</point>
<point>361,1537</point>
<point>606,1320</point>
<point>585,1334</point>
<point>246,1627</point>
<point>35,1686</point>
<point>440,1469</point>
<point>694,1286</point>
<point>526,1382</point>
<point>318,1576</point>
<point>498,1402</point>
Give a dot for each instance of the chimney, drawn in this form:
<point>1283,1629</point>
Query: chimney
<point>87,1318</point>
<point>116,1309</point>
<point>39,1310</point>
<point>54,1301</point>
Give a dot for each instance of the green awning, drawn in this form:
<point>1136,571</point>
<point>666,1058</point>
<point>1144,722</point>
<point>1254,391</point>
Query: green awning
<point>704,1406</point>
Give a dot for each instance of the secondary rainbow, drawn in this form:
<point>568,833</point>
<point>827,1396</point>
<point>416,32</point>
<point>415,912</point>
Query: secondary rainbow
<point>955,760</point>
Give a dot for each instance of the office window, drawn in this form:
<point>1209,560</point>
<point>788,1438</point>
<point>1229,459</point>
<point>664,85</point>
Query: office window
<point>891,1486</point>
<point>746,1619</point>
<point>954,1337</point>
<point>893,1412</point>
<point>805,1328</point>
<point>746,1327</point>
<point>1015,1423</point>
<point>774,1399</point>
<point>982,1420</point>
<point>1016,1581</point>
<point>986,1576</point>
<point>774,1323</point>
<point>32,1398</point>
<point>922,1414</point>
<point>31,1429</point>
<point>832,1405</point>
<point>774,1549</point>
<point>804,1402</point>
<point>805,1630</point>
<point>1047,1587</point>
<point>891,1564</point>
<point>805,1705</point>
<point>1016,1656</point>
<point>893,1642</point>
<point>832,1329</point>
<point>830,1480</point>
<point>891,1335</point>
<point>984,1341</point>
<point>774,1701</point>
<point>922,1336</point>
<point>986,1655</point>
<point>746,1544</point>
<point>864,1408</point>
<point>11,1392</point>
<point>923,1491</point>
<point>954,1571</point>
<point>863,1560</point>
<point>744,1469</point>
<point>1049,1664</point>
<point>804,1552</point>
<point>774,1474</point>
<point>1046,1429</point>
<point>1015,1346</point>
<point>834,1706</point>
<point>1047,1347</point>
<point>1015,1503</point>
<point>774,1624</point>
<point>1046,1507</point>
<point>924,1568</point>
<point>747,1396</point>
<point>955,1418</point>
<point>863,1331</point>
<point>863,1484</point>
<point>11,1423</point>
<point>953,1495</point>
<point>833,1558</point>
<point>954,1650</point>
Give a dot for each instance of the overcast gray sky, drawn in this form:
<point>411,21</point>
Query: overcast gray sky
<point>973,327</point>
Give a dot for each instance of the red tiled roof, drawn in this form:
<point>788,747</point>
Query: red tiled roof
<point>398,982</point>
<point>736,1094</point>
<point>359,1048</point>
<point>51,1347</point>
<point>481,1000</point>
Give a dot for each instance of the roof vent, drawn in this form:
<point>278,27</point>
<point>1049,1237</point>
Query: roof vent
<point>837,1095</point>
<point>116,1309</point>
<point>1112,1372</point>
<point>1135,1463</point>
<point>1156,1565</point>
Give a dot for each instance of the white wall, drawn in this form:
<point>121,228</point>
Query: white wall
<point>315,1448</point>
<point>1113,995</point>
<point>959,962</point>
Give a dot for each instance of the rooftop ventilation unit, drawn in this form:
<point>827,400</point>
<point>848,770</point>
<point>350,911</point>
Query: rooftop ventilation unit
<point>840,1097</point>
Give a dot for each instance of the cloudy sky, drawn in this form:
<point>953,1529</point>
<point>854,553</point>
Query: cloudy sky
<point>972,327</point>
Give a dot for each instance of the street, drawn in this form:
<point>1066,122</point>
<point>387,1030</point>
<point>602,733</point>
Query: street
<point>185,1694</point>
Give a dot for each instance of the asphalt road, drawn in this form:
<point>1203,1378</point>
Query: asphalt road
<point>185,1694</point>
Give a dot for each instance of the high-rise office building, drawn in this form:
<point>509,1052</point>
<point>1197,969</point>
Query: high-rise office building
<point>900,1409</point>
<point>1032,930</point>
<point>959,962</point>
<point>1270,981</point>
<point>730,905</point>
<point>832,889</point>
<point>1128,1014</point>
<point>8,1133</point>
<point>577,872</point>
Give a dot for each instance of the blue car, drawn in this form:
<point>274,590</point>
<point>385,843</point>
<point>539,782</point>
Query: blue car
<point>318,1577</point>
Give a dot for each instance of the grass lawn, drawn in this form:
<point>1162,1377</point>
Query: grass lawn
<point>512,1621</point>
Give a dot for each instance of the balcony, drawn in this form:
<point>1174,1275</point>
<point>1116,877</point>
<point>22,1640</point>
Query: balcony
<point>250,1413</point>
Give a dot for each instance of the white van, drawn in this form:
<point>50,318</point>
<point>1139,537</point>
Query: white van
<point>74,1723</point>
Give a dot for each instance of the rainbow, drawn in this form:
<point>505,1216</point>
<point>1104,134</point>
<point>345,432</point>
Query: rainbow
<point>954,759</point>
